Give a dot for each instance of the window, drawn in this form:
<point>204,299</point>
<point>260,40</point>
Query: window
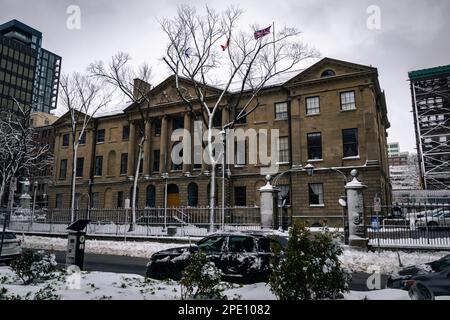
<point>315,146</point>
<point>192,194</point>
<point>58,200</point>
<point>124,163</point>
<point>65,140</point>
<point>157,128</point>
<point>241,244</point>
<point>348,101</point>
<point>63,169</point>
<point>177,123</point>
<point>82,139</point>
<point>283,195</point>
<point>283,149</point>
<point>96,200</point>
<point>150,198</point>
<point>327,73</point>
<point>126,132</point>
<point>217,119</point>
<point>240,196</point>
<point>120,203</point>
<point>212,244</point>
<point>240,150</point>
<point>101,136</point>
<point>312,105</point>
<point>155,161</point>
<point>316,194</point>
<point>281,111</point>
<point>350,142</point>
<point>98,165</point>
<point>79,167</point>
<point>179,166</point>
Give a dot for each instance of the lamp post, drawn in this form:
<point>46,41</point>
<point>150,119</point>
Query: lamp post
<point>165,176</point>
<point>35,185</point>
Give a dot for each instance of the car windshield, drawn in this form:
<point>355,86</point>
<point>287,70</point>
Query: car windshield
<point>438,213</point>
<point>211,244</point>
<point>441,264</point>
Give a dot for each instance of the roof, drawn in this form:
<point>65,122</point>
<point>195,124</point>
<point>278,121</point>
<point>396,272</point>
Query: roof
<point>427,73</point>
<point>20,25</point>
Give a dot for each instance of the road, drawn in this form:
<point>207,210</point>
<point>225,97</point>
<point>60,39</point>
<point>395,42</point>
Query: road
<point>121,264</point>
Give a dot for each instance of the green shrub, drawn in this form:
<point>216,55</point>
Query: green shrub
<point>201,279</point>
<point>309,268</point>
<point>33,266</point>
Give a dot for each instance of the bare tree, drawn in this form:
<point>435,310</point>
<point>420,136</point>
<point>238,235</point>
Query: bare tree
<point>20,151</point>
<point>194,52</point>
<point>134,85</point>
<point>82,97</point>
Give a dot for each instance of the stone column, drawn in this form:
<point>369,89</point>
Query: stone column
<point>187,126</point>
<point>131,150</point>
<point>269,205</point>
<point>355,209</point>
<point>147,148</point>
<point>163,146</point>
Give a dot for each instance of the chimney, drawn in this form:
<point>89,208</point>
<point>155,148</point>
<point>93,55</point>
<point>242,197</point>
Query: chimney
<point>140,87</point>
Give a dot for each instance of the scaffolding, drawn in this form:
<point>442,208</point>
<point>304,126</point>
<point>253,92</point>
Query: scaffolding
<point>430,90</point>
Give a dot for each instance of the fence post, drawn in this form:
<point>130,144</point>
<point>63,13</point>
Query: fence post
<point>269,207</point>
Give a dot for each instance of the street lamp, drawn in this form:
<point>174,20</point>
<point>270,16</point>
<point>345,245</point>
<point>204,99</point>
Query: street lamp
<point>35,184</point>
<point>165,176</point>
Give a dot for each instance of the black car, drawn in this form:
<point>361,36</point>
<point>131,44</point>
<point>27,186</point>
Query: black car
<point>243,257</point>
<point>426,280</point>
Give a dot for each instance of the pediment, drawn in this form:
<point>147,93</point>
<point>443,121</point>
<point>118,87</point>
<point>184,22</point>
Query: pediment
<point>328,68</point>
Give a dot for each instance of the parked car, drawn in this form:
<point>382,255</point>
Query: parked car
<point>439,218</point>
<point>11,246</point>
<point>243,257</point>
<point>426,280</point>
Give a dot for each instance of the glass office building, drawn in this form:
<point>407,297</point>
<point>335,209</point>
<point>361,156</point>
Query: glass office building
<point>44,65</point>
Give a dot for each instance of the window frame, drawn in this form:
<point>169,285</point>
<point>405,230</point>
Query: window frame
<point>240,193</point>
<point>344,144</point>
<point>64,143</point>
<point>98,135</point>
<point>98,169</point>
<point>308,109</point>
<point>123,167</point>
<point>320,196</point>
<point>285,152</point>
<point>343,104</point>
<point>79,174</point>
<point>277,112</point>
<point>314,146</point>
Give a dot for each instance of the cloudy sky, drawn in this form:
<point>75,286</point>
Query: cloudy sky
<point>413,34</point>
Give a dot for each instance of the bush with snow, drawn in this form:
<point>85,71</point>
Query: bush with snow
<point>309,267</point>
<point>201,279</point>
<point>33,266</point>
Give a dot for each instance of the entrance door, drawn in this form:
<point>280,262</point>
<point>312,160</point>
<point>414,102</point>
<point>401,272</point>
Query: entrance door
<point>173,196</point>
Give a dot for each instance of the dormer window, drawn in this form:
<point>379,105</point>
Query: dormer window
<point>327,73</point>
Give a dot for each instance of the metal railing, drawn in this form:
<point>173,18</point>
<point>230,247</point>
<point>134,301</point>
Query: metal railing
<point>192,221</point>
<point>412,225</point>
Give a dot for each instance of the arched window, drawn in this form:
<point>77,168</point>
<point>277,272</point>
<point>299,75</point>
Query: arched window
<point>328,73</point>
<point>150,199</point>
<point>192,194</point>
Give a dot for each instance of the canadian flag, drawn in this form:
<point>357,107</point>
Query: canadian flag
<point>224,46</point>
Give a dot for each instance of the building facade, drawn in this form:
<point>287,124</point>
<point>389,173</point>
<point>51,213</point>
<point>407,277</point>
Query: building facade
<point>331,115</point>
<point>35,71</point>
<point>430,91</point>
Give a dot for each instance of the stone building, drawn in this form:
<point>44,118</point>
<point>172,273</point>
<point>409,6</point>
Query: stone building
<point>331,115</point>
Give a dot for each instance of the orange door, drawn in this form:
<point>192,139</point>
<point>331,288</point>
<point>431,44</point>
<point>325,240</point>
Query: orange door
<point>173,200</point>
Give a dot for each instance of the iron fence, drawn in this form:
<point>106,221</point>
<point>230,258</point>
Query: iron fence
<point>193,221</point>
<point>412,225</point>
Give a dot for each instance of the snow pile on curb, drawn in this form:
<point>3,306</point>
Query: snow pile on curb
<point>120,248</point>
<point>385,262</point>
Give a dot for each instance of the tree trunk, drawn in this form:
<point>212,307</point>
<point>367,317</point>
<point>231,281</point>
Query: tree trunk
<point>72,186</point>
<point>135,182</point>
<point>2,189</point>
<point>212,190</point>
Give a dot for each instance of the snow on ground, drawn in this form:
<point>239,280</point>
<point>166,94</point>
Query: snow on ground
<point>120,248</point>
<point>115,286</point>
<point>385,262</point>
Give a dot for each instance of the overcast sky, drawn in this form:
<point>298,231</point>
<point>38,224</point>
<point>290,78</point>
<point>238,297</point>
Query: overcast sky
<point>413,34</point>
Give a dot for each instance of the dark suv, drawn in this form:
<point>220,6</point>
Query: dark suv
<point>243,257</point>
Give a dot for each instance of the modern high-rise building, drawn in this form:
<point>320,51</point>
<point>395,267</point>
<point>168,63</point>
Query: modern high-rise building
<point>28,72</point>
<point>430,90</point>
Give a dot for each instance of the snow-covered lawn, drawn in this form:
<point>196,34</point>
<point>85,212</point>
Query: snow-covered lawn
<point>105,285</point>
<point>384,261</point>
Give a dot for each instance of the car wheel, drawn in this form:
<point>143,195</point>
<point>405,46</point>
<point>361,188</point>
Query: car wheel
<point>419,291</point>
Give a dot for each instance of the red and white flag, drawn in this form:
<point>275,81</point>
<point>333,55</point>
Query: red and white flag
<point>261,33</point>
<point>225,46</point>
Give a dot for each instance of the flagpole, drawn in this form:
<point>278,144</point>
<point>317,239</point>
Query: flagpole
<point>274,52</point>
